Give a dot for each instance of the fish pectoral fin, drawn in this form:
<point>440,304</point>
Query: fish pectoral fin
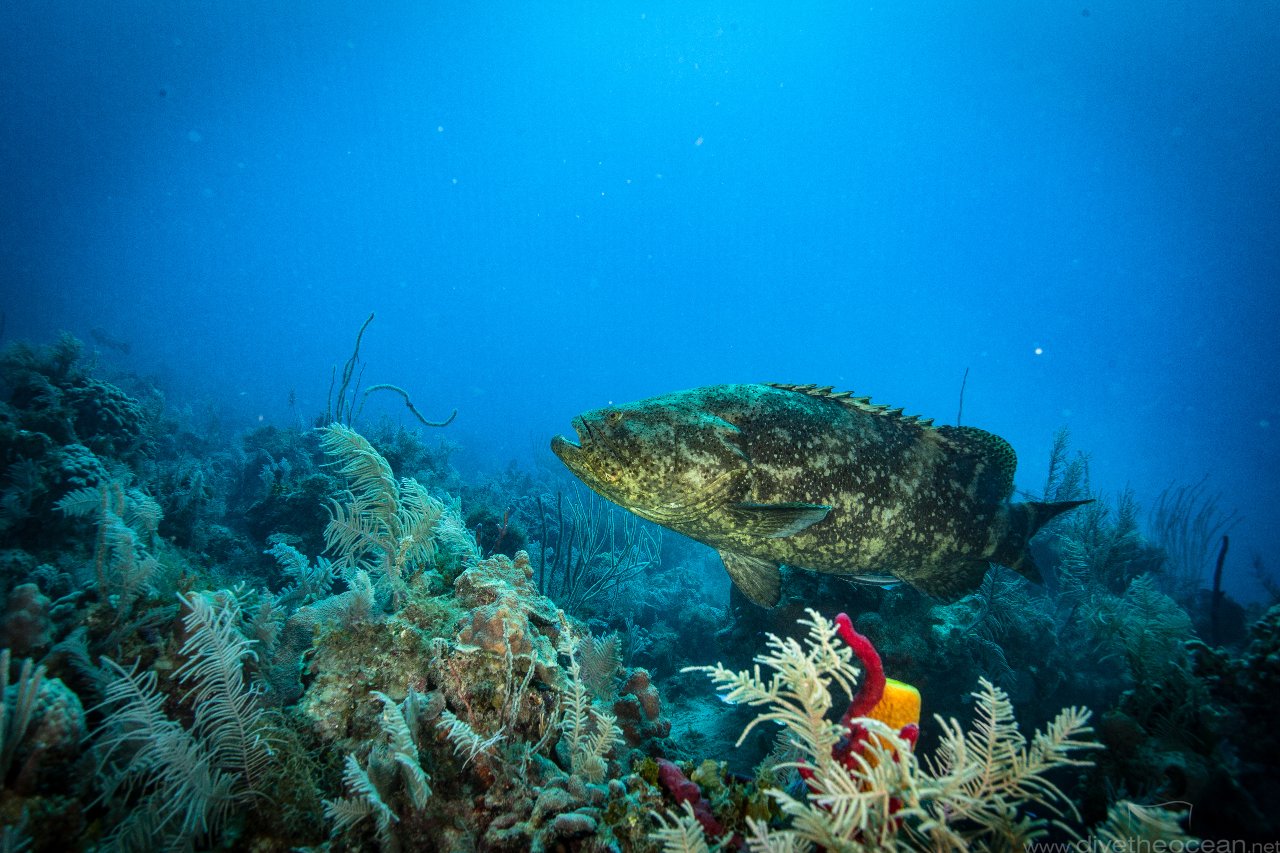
<point>951,582</point>
<point>880,580</point>
<point>760,580</point>
<point>775,521</point>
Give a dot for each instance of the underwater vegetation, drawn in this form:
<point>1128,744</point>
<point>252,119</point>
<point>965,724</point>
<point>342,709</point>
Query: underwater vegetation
<point>326,639</point>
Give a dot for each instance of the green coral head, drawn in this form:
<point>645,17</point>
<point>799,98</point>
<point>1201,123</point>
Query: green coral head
<point>665,458</point>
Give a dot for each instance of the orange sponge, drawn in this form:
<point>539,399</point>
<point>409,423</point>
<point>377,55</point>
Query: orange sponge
<point>899,706</point>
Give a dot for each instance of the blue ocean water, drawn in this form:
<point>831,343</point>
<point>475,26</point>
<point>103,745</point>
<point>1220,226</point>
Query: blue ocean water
<point>552,206</point>
<point>1026,216</point>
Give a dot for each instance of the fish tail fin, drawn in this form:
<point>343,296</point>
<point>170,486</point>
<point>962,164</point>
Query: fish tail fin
<point>1025,519</point>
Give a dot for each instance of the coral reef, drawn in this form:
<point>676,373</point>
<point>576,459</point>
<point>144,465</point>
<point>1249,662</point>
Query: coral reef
<point>865,788</point>
<point>330,639</point>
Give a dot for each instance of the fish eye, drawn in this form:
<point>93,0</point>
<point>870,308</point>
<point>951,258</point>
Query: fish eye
<point>614,416</point>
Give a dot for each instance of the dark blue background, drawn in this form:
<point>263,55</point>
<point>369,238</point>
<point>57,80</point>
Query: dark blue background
<point>555,205</point>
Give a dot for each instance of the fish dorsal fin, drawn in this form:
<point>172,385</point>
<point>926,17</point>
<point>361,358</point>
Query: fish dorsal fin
<point>858,404</point>
<point>760,580</point>
<point>987,446</point>
<point>775,521</point>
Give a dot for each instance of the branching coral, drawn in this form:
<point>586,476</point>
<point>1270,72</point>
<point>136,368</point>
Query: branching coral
<point>595,552</point>
<point>1187,523</point>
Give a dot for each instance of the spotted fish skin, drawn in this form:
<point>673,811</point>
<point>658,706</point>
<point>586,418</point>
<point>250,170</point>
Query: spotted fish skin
<point>772,474</point>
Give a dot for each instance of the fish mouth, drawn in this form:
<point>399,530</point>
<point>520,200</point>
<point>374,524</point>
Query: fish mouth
<point>569,451</point>
<point>590,457</point>
<point>565,449</point>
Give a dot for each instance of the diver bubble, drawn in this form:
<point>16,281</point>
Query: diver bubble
<point>1039,350</point>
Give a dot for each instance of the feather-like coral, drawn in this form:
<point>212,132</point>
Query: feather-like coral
<point>680,833</point>
<point>16,712</point>
<point>311,583</point>
<point>590,734</point>
<point>181,794</point>
<point>188,780</point>
<point>601,661</point>
<point>466,740</point>
<point>126,519</point>
<point>384,526</point>
<point>346,812</point>
<point>980,790</point>
<point>399,752</point>
<point>404,749</point>
<point>229,719</point>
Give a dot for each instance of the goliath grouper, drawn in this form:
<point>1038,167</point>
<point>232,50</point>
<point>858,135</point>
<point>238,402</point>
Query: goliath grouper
<point>798,475</point>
